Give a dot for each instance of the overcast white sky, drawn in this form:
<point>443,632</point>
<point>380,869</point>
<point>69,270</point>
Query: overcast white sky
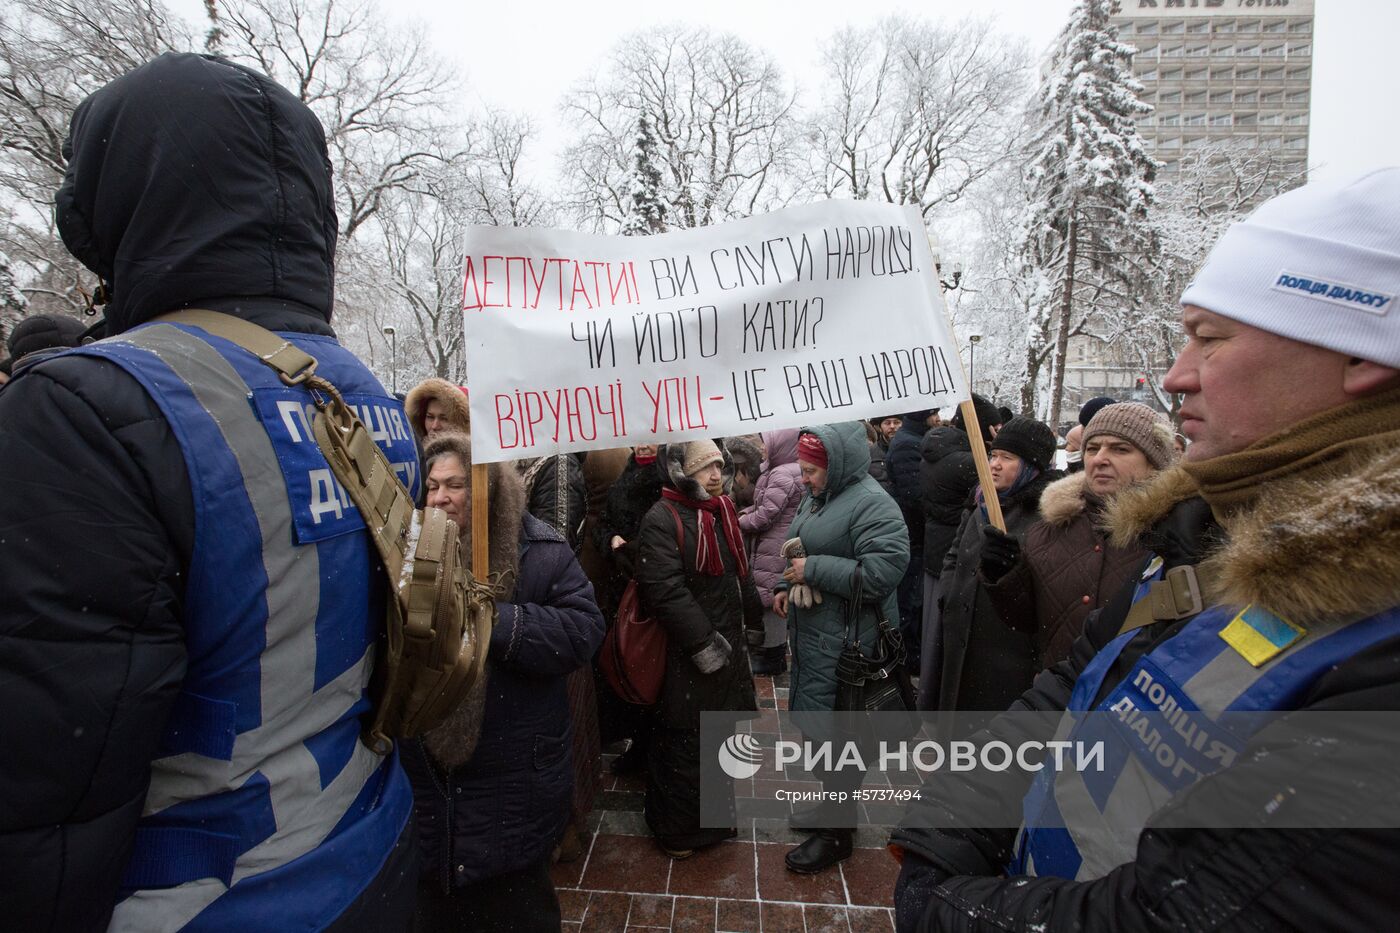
<point>525,55</point>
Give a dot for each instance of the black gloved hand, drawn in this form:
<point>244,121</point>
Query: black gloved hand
<point>1000,551</point>
<point>917,879</point>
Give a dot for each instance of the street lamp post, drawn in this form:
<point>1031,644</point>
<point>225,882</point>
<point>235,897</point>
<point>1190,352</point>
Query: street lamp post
<point>393,336</point>
<point>973,340</point>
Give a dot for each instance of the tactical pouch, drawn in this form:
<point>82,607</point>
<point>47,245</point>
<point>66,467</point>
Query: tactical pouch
<point>438,625</point>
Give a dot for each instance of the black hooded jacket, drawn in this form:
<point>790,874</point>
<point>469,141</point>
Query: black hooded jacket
<point>171,209</point>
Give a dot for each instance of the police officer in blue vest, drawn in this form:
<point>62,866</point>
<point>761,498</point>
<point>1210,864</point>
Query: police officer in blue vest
<point>190,601</point>
<point>1272,593</point>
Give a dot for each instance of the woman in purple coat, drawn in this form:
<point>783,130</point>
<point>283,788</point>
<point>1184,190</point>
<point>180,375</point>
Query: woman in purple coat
<point>765,524</point>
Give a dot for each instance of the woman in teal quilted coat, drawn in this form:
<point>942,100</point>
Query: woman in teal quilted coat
<point>846,518</point>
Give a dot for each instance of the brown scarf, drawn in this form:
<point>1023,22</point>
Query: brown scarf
<point>1310,449</point>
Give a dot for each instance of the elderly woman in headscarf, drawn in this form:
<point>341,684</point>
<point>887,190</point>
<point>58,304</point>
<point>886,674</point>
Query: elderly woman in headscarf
<point>492,784</point>
<point>846,520</point>
<point>693,578</point>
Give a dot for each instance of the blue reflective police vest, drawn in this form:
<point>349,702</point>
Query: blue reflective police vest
<point>265,810</point>
<point>1083,824</point>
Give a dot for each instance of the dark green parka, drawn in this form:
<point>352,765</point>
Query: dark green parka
<point>852,520</point>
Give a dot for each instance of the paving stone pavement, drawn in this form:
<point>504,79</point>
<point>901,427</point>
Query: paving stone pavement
<point>624,882</point>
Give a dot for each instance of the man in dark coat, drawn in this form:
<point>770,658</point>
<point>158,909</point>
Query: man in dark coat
<point>947,477</point>
<point>902,470</point>
<point>985,664</point>
<point>1264,529</point>
<point>187,627</point>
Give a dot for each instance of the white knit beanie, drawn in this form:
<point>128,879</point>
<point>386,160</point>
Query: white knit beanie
<point>1319,264</point>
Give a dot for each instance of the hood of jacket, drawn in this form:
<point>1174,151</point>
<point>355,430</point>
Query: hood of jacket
<point>847,454</point>
<point>415,404</point>
<point>781,447</point>
<point>1310,549</point>
<point>194,181</point>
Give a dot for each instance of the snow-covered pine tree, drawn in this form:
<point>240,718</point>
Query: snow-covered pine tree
<point>1086,230</point>
<point>646,212</point>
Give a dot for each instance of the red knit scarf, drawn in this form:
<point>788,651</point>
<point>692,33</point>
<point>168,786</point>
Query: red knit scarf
<point>707,558</point>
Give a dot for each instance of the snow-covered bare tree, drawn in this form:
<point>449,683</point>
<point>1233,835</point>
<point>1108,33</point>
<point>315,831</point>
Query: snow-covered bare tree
<point>721,115</point>
<point>495,177</point>
<point>1087,239</point>
<point>53,53</point>
<point>1212,188</point>
<point>914,112</point>
<point>384,97</point>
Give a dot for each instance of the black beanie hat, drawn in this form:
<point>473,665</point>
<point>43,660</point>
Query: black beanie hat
<point>1091,408</point>
<point>44,331</point>
<point>987,415</point>
<point>1028,439</point>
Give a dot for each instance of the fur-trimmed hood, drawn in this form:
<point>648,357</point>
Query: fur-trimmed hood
<point>1310,549</point>
<point>416,404</point>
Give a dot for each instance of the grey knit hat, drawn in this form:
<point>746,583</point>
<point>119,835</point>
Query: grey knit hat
<point>1138,425</point>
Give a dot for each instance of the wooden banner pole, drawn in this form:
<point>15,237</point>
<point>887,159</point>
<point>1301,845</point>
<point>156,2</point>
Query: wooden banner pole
<point>481,523</point>
<point>974,430</point>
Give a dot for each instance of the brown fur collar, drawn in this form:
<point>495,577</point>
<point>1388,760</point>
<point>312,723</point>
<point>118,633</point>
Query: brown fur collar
<point>416,403</point>
<point>1063,500</point>
<point>1311,549</point>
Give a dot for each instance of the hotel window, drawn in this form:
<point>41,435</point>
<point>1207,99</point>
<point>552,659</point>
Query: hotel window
<point>1221,119</point>
<point>1271,97</point>
<point>1271,143</point>
<point>1275,26</point>
<point>1198,51</point>
<point>1225,26</point>
<point>1297,74</point>
<point>1174,29</point>
<point>1147,29</point>
<point>1172,143</point>
<point>1296,119</point>
<point>1198,75</point>
<point>1276,51</point>
<point>1171,51</point>
<point>1247,97</point>
<point>1299,27</point>
<point>1196,97</point>
<point>1297,142</point>
<point>1247,50</point>
<point>1221,97</point>
<point>1126,29</point>
<point>1247,74</point>
<point>1148,75</point>
<point>1270,74</point>
<point>1169,97</point>
<point>1300,50</point>
<point>1298,97</point>
<point>1194,119</point>
<point>1221,74</point>
<point>1271,119</point>
<point>1198,27</point>
<point>1170,119</point>
<point>1247,25</point>
<point>1245,119</point>
<point>1171,74</point>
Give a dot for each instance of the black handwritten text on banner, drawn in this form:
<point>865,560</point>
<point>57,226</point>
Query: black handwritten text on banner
<point>827,312</point>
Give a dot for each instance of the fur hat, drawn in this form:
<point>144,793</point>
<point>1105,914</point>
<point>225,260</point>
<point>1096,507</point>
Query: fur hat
<point>681,461</point>
<point>700,454</point>
<point>1319,264</point>
<point>1028,439</point>
<point>453,398</point>
<point>1138,425</point>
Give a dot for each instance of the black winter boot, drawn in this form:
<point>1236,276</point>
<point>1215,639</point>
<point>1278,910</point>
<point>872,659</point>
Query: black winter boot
<point>769,662</point>
<point>823,850</point>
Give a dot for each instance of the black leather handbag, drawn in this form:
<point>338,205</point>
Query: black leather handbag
<point>875,683</point>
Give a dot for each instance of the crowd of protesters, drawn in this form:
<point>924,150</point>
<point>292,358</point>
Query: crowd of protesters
<point>193,656</point>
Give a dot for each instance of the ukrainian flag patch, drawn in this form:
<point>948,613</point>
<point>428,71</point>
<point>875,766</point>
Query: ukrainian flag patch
<point>1259,635</point>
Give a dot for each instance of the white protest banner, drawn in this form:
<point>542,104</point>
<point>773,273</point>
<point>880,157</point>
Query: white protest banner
<point>821,313</point>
